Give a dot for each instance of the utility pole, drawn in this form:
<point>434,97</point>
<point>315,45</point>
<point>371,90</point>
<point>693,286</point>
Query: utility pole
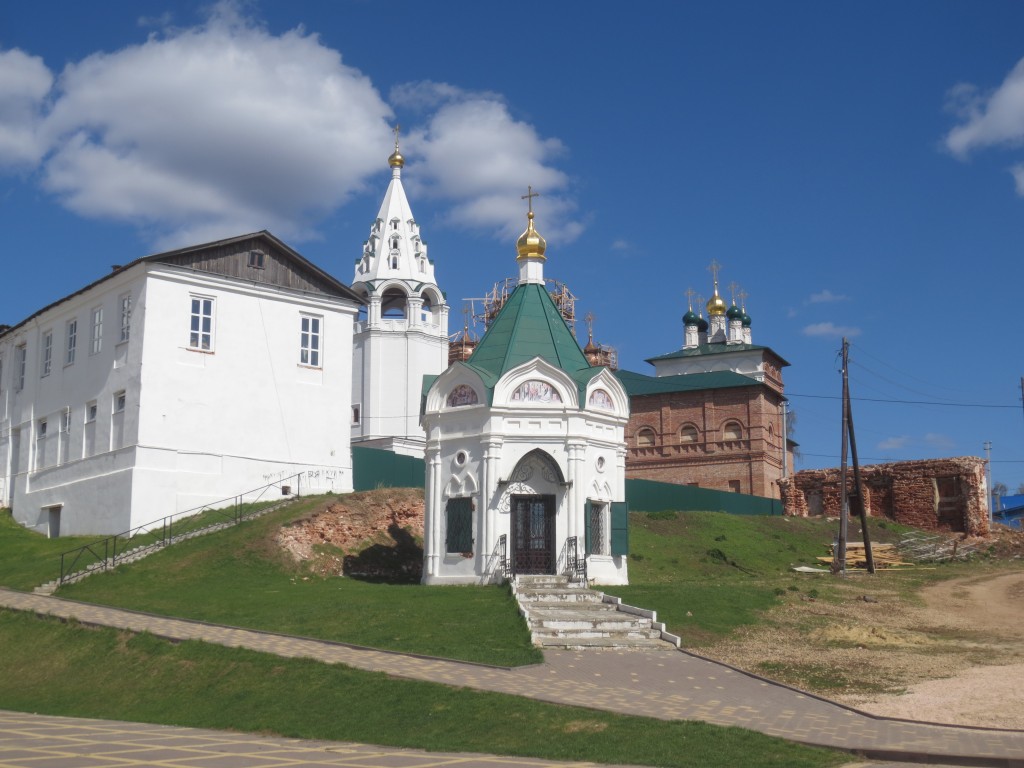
<point>856,499</point>
<point>839,561</point>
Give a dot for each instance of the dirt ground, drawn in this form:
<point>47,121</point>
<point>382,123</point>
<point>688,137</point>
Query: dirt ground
<point>952,653</point>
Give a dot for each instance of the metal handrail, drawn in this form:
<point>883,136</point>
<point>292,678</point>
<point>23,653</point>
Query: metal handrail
<point>503,564</point>
<point>114,547</point>
<point>575,566</point>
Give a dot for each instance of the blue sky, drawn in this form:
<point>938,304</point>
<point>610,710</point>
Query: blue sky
<point>856,168</point>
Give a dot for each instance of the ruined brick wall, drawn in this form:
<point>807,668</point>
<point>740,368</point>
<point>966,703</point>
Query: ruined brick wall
<point>935,494</point>
<point>751,464</point>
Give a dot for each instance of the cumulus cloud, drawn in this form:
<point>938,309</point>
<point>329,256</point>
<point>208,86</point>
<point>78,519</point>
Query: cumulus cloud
<point>474,154</point>
<point>825,296</point>
<point>221,128</point>
<point>830,329</point>
<point>987,119</point>
<point>25,82</point>
<point>894,443</point>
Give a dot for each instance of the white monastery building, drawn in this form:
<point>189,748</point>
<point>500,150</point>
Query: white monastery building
<point>525,453</point>
<point>175,381</point>
<point>403,335</point>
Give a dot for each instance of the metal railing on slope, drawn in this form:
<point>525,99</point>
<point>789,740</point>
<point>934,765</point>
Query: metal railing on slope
<point>106,553</point>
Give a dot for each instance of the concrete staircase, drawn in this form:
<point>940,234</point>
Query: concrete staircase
<point>569,616</point>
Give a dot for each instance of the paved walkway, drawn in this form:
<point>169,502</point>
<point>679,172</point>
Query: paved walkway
<point>33,741</point>
<point>666,685</point>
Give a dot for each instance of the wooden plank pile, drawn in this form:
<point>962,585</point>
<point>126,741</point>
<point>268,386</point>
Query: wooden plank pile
<point>884,555</point>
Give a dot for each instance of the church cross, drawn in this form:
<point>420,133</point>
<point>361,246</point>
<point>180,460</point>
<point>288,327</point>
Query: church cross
<point>396,130</point>
<point>530,194</point>
<point>690,293</point>
<point>733,288</point>
<point>743,299</point>
<point>713,268</point>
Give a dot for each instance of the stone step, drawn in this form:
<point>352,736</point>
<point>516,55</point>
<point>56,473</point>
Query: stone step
<point>564,615</point>
<point>599,643</point>
<point>555,595</point>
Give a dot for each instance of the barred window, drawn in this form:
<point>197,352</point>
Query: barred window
<point>459,533</point>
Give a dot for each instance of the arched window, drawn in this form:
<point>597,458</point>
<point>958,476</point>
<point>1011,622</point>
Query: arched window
<point>688,435</point>
<point>732,431</point>
<point>645,438</point>
<point>392,304</point>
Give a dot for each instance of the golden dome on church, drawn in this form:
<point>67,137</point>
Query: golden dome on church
<point>530,243</point>
<point>716,305</point>
<point>396,160</point>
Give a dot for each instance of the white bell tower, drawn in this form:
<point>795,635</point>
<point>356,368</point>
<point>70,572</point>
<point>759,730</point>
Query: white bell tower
<point>403,334</point>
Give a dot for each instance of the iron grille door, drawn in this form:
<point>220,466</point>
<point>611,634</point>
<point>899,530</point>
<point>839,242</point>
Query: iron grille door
<point>534,534</point>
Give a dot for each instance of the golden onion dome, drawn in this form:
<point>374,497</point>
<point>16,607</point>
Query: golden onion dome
<point>716,305</point>
<point>530,243</point>
<point>396,160</point>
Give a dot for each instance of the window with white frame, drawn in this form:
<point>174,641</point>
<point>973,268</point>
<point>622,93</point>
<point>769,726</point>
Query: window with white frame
<point>70,342</point>
<point>47,360</point>
<point>96,330</point>
<point>309,341</point>
<point>117,421</point>
<point>356,414</point>
<point>125,302</point>
<point>41,429</point>
<point>201,323</point>
<point>20,361</point>
<point>89,430</point>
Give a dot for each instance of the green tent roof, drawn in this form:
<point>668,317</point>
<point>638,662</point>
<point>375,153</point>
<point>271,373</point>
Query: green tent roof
<point>529,325</point>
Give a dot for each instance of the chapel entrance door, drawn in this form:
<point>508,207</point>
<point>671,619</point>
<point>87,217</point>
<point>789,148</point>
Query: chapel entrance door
<point>533,525</point>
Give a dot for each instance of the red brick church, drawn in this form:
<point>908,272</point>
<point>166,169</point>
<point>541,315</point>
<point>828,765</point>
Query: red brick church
<point>713,413</point>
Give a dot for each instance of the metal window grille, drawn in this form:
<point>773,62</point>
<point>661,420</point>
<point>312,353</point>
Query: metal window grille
<point>459,531</point>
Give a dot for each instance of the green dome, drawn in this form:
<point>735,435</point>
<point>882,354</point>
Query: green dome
<point>746,320</point>
<point>690,318</point>
<point>734,313</point>
<point>702,325</point>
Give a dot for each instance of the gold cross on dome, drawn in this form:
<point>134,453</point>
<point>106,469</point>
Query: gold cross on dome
<point>733,289</point>
<point>714,268</point>
<point>743,299</point>
<point>690,293</point>
<point>530,194</point>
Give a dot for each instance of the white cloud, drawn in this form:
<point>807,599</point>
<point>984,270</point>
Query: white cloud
<point>894,443</point>
<point>24,83</point>
<point>987,120</point>
<point>825,296</point>
<point>473,153</point>
<point>621,245</point>
<point>831,330</point>
<point>213,130</point>
<point>937,440</point>
<point>222,128</point>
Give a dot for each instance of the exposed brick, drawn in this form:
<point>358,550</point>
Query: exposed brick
<point>934,494</point>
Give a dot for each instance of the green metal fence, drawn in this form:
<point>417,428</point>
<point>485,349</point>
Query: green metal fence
<point>375,468</point>
<point>652,496</point>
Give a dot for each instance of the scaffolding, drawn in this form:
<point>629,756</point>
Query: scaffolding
<point>495,299</point>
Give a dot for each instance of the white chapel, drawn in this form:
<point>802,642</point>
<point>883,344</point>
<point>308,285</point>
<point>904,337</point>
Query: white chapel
<point>403,335</point>
<point>525,454</point>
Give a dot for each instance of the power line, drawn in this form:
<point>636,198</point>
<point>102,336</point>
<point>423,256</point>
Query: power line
<point>890,459</point>
<point>904,402</point>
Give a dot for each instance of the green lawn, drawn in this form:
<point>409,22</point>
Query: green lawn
<point>240,577</point>
<point>69,669</point>
<point>707,573</point>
